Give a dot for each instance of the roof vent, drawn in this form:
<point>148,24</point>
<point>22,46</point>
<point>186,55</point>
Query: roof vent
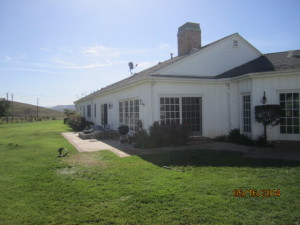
<point>235,43</point>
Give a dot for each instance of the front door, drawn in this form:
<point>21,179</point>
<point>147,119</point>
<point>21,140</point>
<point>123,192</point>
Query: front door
<point>104,114</point>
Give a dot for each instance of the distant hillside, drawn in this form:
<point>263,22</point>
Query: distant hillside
<point>22,109</point>
<point>62,107</point>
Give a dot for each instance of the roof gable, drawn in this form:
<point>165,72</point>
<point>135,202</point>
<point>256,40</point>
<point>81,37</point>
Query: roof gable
<point>214,58</point>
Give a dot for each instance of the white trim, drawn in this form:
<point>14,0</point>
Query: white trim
<point>281,136</point>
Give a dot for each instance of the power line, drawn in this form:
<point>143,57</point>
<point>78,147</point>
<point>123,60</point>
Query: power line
<point>46,100</point>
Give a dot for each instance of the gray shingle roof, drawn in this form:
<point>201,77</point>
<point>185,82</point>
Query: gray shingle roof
<point>269,62</point>
<point>135,78</point>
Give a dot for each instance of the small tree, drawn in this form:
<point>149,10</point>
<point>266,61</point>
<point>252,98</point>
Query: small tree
<point>4,107</point>
<point>69,112</point>
<point>268,115</point>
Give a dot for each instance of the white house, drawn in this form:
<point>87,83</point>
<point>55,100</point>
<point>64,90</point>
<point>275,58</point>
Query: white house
<point>212,88</point>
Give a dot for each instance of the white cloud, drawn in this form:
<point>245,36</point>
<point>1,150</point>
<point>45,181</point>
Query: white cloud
<point>88,58</point>
<point>45,49</point>
<point>7,58</point>
<point>101,51</point>
<point>164,46</point>
<point>29,70</point>
<point>84,57</point>
<point>145,65</point>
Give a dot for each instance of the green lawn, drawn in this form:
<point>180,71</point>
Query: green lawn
<point>37,187</point>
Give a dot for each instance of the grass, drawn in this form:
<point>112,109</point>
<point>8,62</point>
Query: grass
<point>23,110</point>
<point>37,187</point>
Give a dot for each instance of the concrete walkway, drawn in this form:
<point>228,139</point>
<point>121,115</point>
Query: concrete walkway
<point>91,145</point>
<point>125,150</point>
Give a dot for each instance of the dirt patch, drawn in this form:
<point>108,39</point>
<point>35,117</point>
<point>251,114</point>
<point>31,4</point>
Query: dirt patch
<point>86,159</point>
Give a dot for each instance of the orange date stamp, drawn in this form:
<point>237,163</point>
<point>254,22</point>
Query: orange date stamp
<point>264,193</point>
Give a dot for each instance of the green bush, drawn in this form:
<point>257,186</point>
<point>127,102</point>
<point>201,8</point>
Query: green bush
<point>141,139</point>
<point>77,123</point>
<point>235,136</point>
<point>162,135</point>
<point>261,141</point>
<point>222,138</point>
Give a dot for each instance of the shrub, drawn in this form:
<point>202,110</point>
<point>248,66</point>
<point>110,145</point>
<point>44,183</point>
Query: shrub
<point>244,140</point>
<point>162,135</point>
<point>261,141</point>
<point>222,138</point>
<point>77,123</point>
<point>141,139</point>
<point>235,136</point>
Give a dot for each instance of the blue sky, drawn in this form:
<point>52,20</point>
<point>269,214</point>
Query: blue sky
<point>61,50</point>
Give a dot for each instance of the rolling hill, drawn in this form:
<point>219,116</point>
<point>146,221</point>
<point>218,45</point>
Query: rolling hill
<point>22,110</point>
<point>62,107</point>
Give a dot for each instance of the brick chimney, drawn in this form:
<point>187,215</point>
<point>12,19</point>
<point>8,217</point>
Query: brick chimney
<point>188,37</point>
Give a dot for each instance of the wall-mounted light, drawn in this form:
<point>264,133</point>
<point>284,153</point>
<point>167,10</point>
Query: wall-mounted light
<point>141,102</point>
<point>264,99</point>
<point>110,105</point>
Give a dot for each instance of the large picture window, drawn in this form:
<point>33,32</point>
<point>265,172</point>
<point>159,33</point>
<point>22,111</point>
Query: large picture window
<point>247,113</point>
<point>182,110</point>
<point>289,121</point>
<point>169,111</point>
<point>129,113</point>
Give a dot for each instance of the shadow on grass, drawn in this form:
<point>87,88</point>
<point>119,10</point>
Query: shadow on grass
<point>214,158</point>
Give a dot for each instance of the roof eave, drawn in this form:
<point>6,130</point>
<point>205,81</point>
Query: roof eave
<point>265,74</point>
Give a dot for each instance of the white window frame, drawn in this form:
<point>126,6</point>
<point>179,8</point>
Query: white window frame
<point>289,119</point>
<point>129,112</point>
<point>246,113</point>
<point>180,109</point>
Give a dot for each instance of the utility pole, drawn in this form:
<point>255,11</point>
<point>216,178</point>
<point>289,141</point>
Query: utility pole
<point>7,101</point>
<point>12,105</point>
<point>37,109</point>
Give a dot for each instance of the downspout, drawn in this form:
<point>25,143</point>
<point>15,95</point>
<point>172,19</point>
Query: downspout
<point>152,102</point>
<point>229,105</point>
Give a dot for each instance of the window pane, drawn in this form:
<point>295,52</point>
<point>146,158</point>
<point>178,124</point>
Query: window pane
<point>246,113</point>
<point>296,96</point>
<point>289,122</point>
<point>283,129</point>
<point>283,121</point>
